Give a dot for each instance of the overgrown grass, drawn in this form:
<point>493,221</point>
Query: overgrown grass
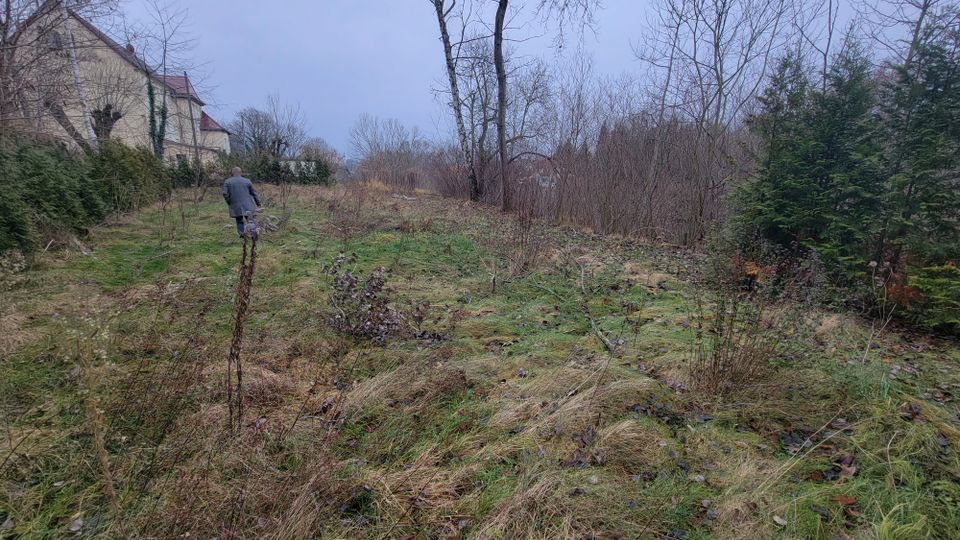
<point>517,422</point>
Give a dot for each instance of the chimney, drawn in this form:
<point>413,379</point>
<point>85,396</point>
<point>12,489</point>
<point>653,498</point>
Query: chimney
<point>130,48</point>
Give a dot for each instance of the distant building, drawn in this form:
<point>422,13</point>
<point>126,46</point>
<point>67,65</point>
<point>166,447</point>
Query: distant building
<point>299,166</point>
<point>114,82</point>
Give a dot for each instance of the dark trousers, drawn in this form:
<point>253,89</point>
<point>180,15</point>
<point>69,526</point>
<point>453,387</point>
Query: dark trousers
<point>251,225</point>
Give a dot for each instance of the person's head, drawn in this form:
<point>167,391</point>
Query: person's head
<point>236,171</point>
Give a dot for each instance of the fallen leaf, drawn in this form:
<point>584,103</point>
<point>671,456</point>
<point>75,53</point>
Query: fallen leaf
<point>847,471</point>
<point>779,520</point>
<point>845,500</point>
<point>851,512</point>
<point>821,511</point>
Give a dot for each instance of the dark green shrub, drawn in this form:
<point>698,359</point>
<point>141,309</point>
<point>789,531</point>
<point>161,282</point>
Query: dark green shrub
<point>263,168</point>
<point>939,307</point>
<point>189,173</point>
<point>16,227</point>
<point>314,172</point>
<point>48,190</point>
<point>128,178</point>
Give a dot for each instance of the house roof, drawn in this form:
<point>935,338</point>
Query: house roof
<point>181,87</point>
<point>207,123</point>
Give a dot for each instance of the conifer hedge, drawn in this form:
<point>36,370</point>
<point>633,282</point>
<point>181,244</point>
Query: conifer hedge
<point>47,190</point>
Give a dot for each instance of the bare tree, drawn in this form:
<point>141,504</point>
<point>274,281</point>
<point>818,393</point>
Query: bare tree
<point>318,148</point>
<point>902,26</point>
<point>276,132</point>
<point>475,71</point>
<point>389,152</point>
<point>816,23</point>
<point>71,46</point>
<point>565,10</point>
<point>506,189</point>
<point>443,14</point>
<point>39,58</point>
<point>289,127</point>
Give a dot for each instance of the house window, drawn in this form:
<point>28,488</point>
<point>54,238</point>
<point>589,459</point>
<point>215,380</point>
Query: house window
<point>54,42</point>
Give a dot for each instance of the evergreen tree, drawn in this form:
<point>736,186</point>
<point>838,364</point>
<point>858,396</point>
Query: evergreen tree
<point>920,130</point>
<point>845,164</point>
<point>816,186</point>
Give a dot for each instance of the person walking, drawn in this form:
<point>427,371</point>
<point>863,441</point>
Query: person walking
<point>243,201</point>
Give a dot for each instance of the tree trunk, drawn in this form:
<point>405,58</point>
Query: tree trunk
<point>917,30</point>
<point>61,117</point>
<point>455,97</point>
<point>75,71</point>
<point>505,184</point>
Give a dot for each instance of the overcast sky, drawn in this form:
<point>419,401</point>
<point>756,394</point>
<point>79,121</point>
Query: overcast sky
<point>341,58</point>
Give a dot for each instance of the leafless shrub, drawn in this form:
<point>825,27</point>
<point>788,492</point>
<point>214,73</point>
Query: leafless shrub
<point>525,243</point>
<point>235,399</point>
<point>390,153</point>
<point>347,209</point>
<point>412,226</point>
<point>758,317</point>
<point>360,306</point>
<point>95,413</point>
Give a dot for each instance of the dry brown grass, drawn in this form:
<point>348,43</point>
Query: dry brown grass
<point>641,275</point>
<point>14,332</point>
<point>537,510</point>
<point>412,384</point>
<point>593,404</point>
<point>742,512</point>
<point>631,447</point>
<point>424,495</point>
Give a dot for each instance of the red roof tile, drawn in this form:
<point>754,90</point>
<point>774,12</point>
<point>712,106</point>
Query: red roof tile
<point>181,86</point>
<point>209,124</point>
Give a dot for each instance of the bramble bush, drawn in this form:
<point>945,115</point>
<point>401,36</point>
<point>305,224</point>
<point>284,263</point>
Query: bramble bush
<point>360,307</point>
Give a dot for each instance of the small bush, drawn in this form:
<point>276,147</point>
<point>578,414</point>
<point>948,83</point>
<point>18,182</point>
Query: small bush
<point>185,173</point>
<point>45,187</point>
<point>360,306</point>
<point>128,178</point>
<point>757,315</point>
<point>262,168</point>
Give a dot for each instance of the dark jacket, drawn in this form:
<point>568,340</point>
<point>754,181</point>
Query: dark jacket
<point>240,196</point>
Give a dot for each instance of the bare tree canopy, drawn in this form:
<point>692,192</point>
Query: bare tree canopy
<point>278,131</point>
